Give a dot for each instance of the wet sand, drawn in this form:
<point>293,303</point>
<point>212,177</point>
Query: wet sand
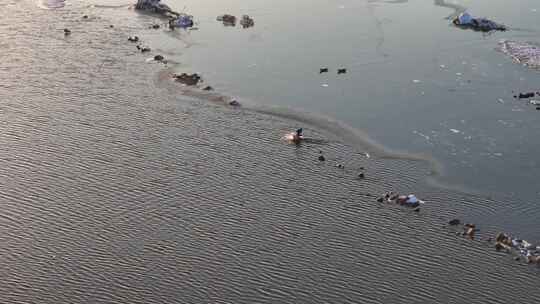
<point>116,187</point>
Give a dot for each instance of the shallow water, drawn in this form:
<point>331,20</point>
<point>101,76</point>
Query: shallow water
<point>116,188</point>
<point>413,80</point>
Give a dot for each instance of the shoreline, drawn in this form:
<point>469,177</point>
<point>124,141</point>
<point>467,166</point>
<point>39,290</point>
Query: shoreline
<point>343,133</point>
<point>349,136</point>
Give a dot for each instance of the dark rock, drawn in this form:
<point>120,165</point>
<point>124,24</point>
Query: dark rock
<point>516,258</point>
<point>186,79</point>
<point>144,49</point>
<point>538,108</point>
<point>362,168</point>
<point>234,103</point>
<point>454,222</point>
<point>133,38</point>
<point>155,7</point>
<point>321,158</point>
<point>323,70</point>
<point>361,175</point>
<point>155,26</point>
<point>526,95</point>
<point>208,88</point>
<point>111,26</point>
<point>158,58</point>
<point>380,199</point>
<point>341,71</point>
<point>85,17</point>
<point>67,31</point>
<point>416,210</point>
<point>228,20</point>
<point>247,21</point>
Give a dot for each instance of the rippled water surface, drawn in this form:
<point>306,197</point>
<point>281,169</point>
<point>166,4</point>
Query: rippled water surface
<point>116,187</point>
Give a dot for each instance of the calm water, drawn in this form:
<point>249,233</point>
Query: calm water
<point>412,78</point>
<point>116,188</point>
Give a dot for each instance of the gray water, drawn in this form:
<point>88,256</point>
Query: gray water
<point>116,187</point>
<point>412,78</point>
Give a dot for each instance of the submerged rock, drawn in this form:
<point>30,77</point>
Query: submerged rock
<point>143,48</point>
<point>524,53</point>
<point>155,6</point>
<point>187,79</point>
<point>454,222</point>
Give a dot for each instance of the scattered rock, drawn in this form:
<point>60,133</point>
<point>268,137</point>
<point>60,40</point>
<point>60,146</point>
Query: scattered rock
<point>380,199</point>
<point>361,176</point>
<point>341,71</point>
<point>340,166</point>
<point>208,88</point>
<point>111,26</point>
<point>155,26</point>
<point>516,258</point>
<point>85,17</point>
<point>133,39</point>
<point>417,209</point>
<point>234,103</point>
<point>186,79</point>
<point>323,70</point>
<point>158,58</point>
<point>67,32</point>
<point>321,158</point>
